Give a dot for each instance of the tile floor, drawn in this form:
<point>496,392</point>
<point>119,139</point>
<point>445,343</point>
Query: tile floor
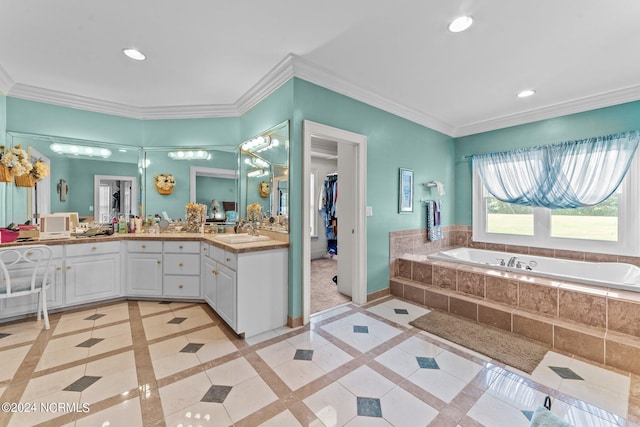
<point>176,364</point>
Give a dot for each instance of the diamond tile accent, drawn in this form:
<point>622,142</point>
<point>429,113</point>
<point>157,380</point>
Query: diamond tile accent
<point>81,384</point>
<point>165,302</point>
<point>360,329</point>
<point>427,363</point>
<point>191,348</point>
<point>303,355</point>
<point>401,310</point>
<point>177,320</point>
<point>4,336</point>
<point>369,407</point>
<point>216,394</point>
<point>95,316</point>
<point>566,373</point>
<point>90,342</point>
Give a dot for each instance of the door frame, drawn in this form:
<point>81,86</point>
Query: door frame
<point>316,130</point>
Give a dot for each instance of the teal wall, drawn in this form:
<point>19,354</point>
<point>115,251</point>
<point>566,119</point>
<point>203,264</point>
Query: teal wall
<point>392,143</point>
<point>210,188</point>
<point>603,121</point>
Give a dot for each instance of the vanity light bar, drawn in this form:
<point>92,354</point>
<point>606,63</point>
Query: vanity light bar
<point>80,150</point>
<point>190,155</point>
<point>257,172</point>
<point>260,143</point>
<point>257,162</point>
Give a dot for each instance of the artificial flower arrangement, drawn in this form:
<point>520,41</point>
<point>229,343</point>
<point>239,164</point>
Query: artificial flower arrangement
<point>38,171</point>
<point>196,214</point>
<point>254,212</point>
<point>164,183</point>
<point>15,162</point>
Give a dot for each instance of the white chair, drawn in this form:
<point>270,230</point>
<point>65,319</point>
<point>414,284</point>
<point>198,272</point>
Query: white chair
<point>24,270</point>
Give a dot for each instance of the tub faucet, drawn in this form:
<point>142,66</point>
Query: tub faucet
<point>512,261</point>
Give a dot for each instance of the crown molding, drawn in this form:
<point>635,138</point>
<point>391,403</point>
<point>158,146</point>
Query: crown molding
<point>276,77</point>
<point>588,103</point>
<point>6,82</point>
<point>313,73</point>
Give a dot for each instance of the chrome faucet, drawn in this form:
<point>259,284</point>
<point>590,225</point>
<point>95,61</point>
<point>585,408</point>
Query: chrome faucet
<point>243,224</point>
<point>512,261</point>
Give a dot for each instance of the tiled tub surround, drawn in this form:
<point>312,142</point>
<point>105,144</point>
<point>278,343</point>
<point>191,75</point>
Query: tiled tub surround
<point>599,324</point>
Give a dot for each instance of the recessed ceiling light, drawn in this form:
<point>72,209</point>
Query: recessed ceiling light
<point>526,93</point>
<point>134,54</point>
<point>460,24</point>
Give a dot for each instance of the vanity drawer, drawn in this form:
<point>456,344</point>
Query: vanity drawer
<point>181,264</point>
<point>216,253</point>
<point>182,286</point>
<point>182,247</point>
<point>92,248</point>
<point>144,246</point>
<point>231,260</point>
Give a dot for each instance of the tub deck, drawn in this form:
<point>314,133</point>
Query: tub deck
<point>596,323</point>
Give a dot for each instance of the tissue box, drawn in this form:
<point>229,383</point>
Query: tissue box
<point>29,231</point>
<point>8,236</point>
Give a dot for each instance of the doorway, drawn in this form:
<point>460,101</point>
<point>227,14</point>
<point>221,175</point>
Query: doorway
<point>349,151</point>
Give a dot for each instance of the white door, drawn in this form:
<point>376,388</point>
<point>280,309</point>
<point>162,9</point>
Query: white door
<point>346,216</point>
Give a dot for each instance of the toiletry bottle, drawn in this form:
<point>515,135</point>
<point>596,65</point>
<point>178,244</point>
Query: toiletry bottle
<point>114,224</point>
<point>122,226</point>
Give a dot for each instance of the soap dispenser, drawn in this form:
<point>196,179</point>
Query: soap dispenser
<point>122,226</point>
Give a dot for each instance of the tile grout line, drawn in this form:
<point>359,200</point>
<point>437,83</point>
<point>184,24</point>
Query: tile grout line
<point>14,391</point>
<point>150,401</point>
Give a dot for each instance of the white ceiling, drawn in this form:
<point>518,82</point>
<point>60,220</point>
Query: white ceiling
<point>210,58</point>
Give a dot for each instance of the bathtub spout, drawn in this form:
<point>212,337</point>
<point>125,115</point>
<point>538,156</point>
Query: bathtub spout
<point>512,261</point>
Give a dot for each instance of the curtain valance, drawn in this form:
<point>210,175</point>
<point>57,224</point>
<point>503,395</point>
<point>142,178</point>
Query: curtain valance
<point>571,174</point>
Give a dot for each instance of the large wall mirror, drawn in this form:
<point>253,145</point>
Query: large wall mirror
<point>95,179</point>
<point>205,175</point>
<point>264,176</point>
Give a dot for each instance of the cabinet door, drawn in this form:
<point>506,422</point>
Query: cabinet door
<point>209,274</point>
<point>29,303</point>
<point>91,278</point>
<point>226,295</point>
<point>144,274</point>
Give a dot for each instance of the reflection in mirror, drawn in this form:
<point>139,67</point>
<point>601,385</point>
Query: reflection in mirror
<point>73,163</point>
<point>202,180</point>
<point>217,189</point>
<point>264,170</point>
<point>114,196</point>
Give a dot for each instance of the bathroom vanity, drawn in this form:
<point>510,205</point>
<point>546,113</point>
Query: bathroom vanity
<point>245,282</point>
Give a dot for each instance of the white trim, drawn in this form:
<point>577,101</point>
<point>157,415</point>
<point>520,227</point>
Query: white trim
<point>588,103</point>
<point>317,130</point>
<point>211,172</point>
<point>293,65</point>
<point>96,192</point>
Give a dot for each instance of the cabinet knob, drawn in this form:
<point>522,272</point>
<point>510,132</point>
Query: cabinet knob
<point>214,272</point>
<point>93,248</point>
<point>144,246</point>
<point>180,286</point>
<point>58,268</point>
<point>228,259</point>
<point>180,264</point>
<point>180,247</point>
<point>68,267</point>
<point>158,261</point>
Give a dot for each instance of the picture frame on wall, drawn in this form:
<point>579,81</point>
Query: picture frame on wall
<point>405,192</point>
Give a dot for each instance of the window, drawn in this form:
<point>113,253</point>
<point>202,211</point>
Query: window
<point>607,227</point>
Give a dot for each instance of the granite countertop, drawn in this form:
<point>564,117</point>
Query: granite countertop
<point>274,242</point>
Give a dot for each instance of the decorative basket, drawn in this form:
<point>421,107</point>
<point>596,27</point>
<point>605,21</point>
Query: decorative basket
<point>164,192</point>
<point>5,174</point>
<point>26,180</point>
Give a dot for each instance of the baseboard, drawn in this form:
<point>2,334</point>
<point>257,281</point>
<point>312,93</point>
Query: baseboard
<point>378,294</point>
<point>294,322</point>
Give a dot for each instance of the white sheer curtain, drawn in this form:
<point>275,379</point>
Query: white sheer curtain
<point>567,175</point>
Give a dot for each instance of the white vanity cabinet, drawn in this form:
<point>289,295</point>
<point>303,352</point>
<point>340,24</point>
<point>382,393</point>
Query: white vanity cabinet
<point>144,268</point>
<point>219,282</point>
<point>181,269</point>
<point>92,272</point>
<point>248,289</point>
<point>29,303</point>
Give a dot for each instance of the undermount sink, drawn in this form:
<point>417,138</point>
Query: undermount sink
<point>240,238</point>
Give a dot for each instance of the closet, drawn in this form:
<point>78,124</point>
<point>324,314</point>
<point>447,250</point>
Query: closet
<point>329,206</point>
